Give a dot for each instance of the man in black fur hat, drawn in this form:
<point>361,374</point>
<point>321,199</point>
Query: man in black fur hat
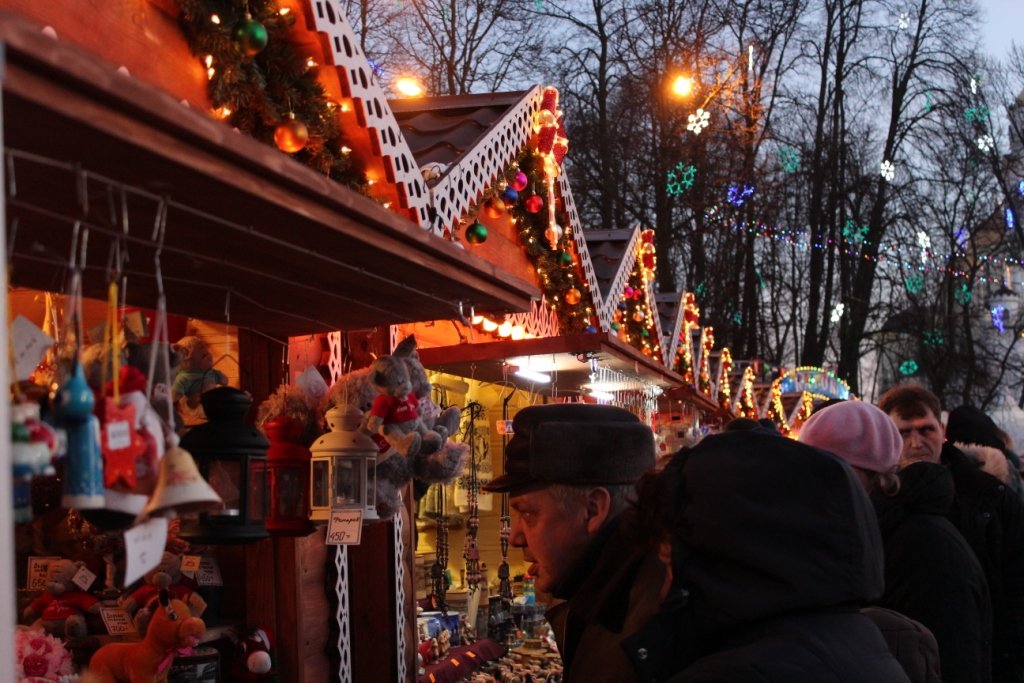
<point>571,471</point>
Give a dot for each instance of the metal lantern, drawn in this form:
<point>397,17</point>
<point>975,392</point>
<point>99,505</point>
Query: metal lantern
<point>232,457</point>
<point>343,470</point>
<point>287,479</point>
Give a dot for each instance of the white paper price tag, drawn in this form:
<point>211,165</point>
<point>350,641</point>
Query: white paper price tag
<point>37,567</point>
<point>160,391</point>
<point>190,563</point>
<point>118,621</point>
<point>28,346</point>
<point>345,528</point>
<point>119,435</point>
<point>208,573</point>
<point>144,548</point>
<point>83,578</point>
<point>312,383</point>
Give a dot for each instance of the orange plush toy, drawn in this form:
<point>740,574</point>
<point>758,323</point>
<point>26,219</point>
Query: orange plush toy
<point>172,631</point>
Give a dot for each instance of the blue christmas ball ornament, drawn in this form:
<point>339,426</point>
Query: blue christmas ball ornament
<point>590,329</point>
<point>510,196</point>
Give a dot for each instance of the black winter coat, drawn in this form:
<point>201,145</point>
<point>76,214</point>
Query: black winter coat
<point>991,519</point>
<point>777,545</point>
<point>931,573</point>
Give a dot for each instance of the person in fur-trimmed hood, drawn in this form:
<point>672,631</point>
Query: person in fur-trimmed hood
<point>978,437</point>
<point>985,510</point>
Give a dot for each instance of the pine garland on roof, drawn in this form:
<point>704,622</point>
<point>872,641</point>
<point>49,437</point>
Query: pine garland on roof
<point>258,82</point>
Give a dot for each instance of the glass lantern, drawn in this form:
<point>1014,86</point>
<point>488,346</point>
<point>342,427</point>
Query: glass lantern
<point>343,469</point>
<point>287,479</point>
<point>232,457</point>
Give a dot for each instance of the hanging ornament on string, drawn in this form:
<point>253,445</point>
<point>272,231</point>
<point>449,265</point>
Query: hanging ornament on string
<point>553,234</point>
<point>572,296</point>
<point>565,259</point>
<point>494,207</point>
<point>534,203</point>
<point>250,36</point>
<point>476,233</point>
<point>519,181</point>
<point>291,135</point>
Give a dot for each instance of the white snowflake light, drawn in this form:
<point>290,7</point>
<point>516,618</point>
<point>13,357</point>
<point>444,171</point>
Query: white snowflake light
<point>888,170</point>
<point>925,242</point>
<point>837,312</point>
<point>904,22</point>
<point>985,143</point>
<point>698,121</point>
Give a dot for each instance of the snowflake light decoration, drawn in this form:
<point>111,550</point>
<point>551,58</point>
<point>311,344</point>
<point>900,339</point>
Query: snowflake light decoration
<point>1020,188</point>
<point>933,338</point>
<point>853,233</point>
<point>680,178</point>
<point>789,159</point>
<point>701,290</point>
<point>985,143</point>
<point>976,82</point>
<point>837,312</point>
<point>927,101</point>
<point>961,238</point>
<point>963,294</point>
<point>999,318</point>
<point>977,114</point>
<point>698,121</point>
<point>888,170</point>
<point>904,22</point>
<point>738,194</point>
<point>1011,222</point>
<point>914,284</point>
<point>925,242</point>
<point>908,367</point>
<point>737,318</point>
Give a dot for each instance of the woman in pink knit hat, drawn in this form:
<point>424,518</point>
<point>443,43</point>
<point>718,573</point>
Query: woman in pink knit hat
<point>931,573</point>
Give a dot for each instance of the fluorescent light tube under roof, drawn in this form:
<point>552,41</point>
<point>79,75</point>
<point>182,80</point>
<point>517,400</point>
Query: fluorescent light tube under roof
<point>533,375</point>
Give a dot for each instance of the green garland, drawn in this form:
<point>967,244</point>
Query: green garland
<point>557,267</point>
<point>262,90</point>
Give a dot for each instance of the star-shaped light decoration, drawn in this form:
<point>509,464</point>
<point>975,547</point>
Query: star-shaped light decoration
<point>999,318</point>
<point>908,367</point>
<point>680,179</point>
<point>904,22</point>
<point>963,294</point>
<point>976,114</point>
<point>837,312</point>
<point>698,121</point>
<point>888,170</point>
<point>738,194</point>
<point>934,338</point>
<point>985,143</point>
<point>789,159</point>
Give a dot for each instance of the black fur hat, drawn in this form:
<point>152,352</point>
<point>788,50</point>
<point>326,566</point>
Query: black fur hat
<point>575,443</point>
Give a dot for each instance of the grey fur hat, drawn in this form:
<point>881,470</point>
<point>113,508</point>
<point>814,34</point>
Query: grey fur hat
<point>575,443</point>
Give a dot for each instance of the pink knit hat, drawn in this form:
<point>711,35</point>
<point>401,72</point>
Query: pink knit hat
<point>857,432</point>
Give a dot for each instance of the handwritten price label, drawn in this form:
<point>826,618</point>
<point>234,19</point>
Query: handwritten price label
<point>83,578</point>
<point>37,567</point>
<point>144,548</point>
<point>28,346</point>
<point>118,621</point>
<point>208,573</point>
<point>345,528</point>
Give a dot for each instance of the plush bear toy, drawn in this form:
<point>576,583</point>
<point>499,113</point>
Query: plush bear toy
<point>444,422</point>
<point>395,411</point>
<point>165,576</point>
<point>196,375</point>
<point>63,606</point>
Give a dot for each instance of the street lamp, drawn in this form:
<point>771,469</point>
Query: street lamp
<point>682,86</point>
<point>408,86</point>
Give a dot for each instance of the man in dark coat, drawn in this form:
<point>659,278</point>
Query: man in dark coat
<point>570,473</point>
<point>777,546</point>
<point>988,515</point>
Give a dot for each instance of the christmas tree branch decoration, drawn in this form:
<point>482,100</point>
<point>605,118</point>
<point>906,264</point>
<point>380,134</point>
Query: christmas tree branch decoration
<point>259,84</point>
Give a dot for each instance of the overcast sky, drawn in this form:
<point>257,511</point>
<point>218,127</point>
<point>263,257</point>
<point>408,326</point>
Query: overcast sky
<point>1003,23</point>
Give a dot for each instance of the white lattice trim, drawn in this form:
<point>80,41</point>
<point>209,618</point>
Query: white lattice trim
<point>670,337</point>
<point>335,363</point>
<point>465,180</point>
<point>652,305</point>
<point>342,615</point>
<point>540,321</point>
<point>586,263</point>
<point>399,526</point>
<point>606,309</point>
<point>359,82</point>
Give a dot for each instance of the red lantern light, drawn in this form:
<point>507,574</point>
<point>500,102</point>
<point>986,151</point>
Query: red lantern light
<point>287,479</point>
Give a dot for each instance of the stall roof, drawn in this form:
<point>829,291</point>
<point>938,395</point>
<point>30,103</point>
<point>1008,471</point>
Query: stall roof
<point>566,356</point>
<point>250,233</point>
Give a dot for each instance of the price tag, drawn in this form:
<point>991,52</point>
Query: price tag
<point>504,427</point>
<point>208,573</point>
<point>144,548</point>
<point>160,391</point>
<point>83,578</point>
<point>28,346</point>
<point>191,563</point>
<point>118,621</point>
<point>312,383</point>
<point>345,528</point>
<point>119,435</point>
<point>37,567</point>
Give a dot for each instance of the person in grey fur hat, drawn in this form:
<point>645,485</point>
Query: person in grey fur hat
<point>570,474</point>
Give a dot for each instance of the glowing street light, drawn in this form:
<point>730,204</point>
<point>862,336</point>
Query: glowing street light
<point>408,86</point>
<point>682,86</point>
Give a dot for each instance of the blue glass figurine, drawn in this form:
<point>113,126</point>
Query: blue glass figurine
<point>83,469</point>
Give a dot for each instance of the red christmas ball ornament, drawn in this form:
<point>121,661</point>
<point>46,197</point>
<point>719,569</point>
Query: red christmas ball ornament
<point>291,135</point>
<point>519,181</point>
<point>534,203</point>
<point>476,233</point>
<point>573,296</point>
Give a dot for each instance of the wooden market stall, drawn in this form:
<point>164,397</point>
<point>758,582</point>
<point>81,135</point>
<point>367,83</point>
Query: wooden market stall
<point>112,148</point>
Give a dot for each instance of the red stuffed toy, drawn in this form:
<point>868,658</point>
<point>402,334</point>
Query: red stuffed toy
<point>252,660</point>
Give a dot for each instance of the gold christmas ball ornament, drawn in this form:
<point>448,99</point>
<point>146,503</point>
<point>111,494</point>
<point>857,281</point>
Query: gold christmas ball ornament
<point>573,296</point>
<point>291,135</point>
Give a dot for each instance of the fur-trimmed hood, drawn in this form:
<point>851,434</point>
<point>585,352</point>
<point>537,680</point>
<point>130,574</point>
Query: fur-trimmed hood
<point>988,459</point>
